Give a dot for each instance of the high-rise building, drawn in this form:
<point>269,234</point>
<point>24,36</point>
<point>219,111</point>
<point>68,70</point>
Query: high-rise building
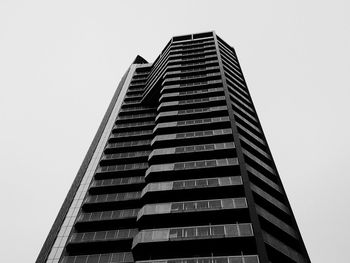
<point>179,171</point>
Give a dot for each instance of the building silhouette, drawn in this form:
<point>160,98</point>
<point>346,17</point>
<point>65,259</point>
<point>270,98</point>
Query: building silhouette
<point>179,171</point>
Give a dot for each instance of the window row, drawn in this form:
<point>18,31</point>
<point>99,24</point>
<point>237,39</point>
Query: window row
<point>200,110</point>
<point>135,116</point>
<point>113,197</point>
<point>209,204</point>
<point>193,206</point>
<point>190,92</point>
<point>124,257</point>
<point>183,233</point>
<point>129,143</point>
<point>131,133</point>
<point>108,215</point>
<point>201,100</point>
<point>122,167</point>
<point>201,121</point>
<point>134,124</point>
<point>187,135</point>
<point>126,155</point>
<point>204,147</point>
<point>205,164</point>
<point>119,181</point>
<point>192,184</point>
<point>207,182</point>
<point>104,235</point>
<point>203,133</point>
<point>229,259</point>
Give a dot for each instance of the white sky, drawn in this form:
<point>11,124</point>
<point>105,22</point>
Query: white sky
<point>60,63</point>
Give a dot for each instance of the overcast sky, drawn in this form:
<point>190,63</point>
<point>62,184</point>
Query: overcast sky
<point>60,63</point>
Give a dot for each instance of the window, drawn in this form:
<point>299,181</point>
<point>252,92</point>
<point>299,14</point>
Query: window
<point>203,231</point>
<point>176,207</point>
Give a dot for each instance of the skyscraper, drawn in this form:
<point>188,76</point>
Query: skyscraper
<point>179,171</point>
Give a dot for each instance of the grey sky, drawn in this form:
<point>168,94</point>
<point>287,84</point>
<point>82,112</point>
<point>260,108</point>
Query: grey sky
<point>61,61</point>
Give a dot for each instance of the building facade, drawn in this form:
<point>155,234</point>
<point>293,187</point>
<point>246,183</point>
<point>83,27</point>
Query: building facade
<point>179,171</point>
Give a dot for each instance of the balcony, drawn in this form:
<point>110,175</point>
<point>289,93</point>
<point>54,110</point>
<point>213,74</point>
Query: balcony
<point>128,146</point>
<point>173,242</point>
<point>224,259</point>
<point>111,201</point>
<point>125,157</point>
<point>200,77</point>
<point>108,215</point>
<point>191,94</point>
<point>194,137</point>
<point>192,125</point>
<point>193,168</point>
<point>118,181</point>
<point>119,184</point>
<point>196,212</point>
<point>191,86</point>
<point>101,241</point>
<point>192,103</point>
<point>192,152</point>
<point>102,236</point>
<point>124,257</point>
<point>132,126</point>
<point>120,169</point>
<point>192,113</point>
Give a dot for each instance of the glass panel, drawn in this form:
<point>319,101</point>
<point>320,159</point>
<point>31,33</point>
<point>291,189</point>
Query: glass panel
<point>231,230</point>
<point>211,163</point>
<point>93,259</point>
<point>235,260</point>
<point>251,259</point>
<point>218,230</point>
<point>215,204</point>
<point>178,185</point>
<point>201,182</point>
<point>189,232</point>
<point>104,258</point>
<point>220,260</point>
<point>227,203</point>
<point>203,231</point>
<point>190,183</point>
<point>240,202</point>
<point>202,205</point>
<point>80,259</point>
<point>100,235</point>
<point>245,230</point>
<point>190,206</point>
<point>175,233</point>
<point>213,182</point>
<point>204,260</point>
<point>176,207</point>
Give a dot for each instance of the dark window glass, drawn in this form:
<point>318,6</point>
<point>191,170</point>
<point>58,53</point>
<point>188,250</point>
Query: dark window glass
<point>220,260</point>
<point>175,233</point>
<point>203,231</point>
<point>203,205</point>
<point>178,185</point>
<point>93,259</point>
<point>218,230</point>
<point>190,184</point>
<point>189,232</point>
<point>215,204</point>
<point>190,206</point>
<point>213,182</point>
<point>80,259</point>
<point>202,182</point>
<point>175,207</point>
<point>235,260</point>
<point>211,163</point>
